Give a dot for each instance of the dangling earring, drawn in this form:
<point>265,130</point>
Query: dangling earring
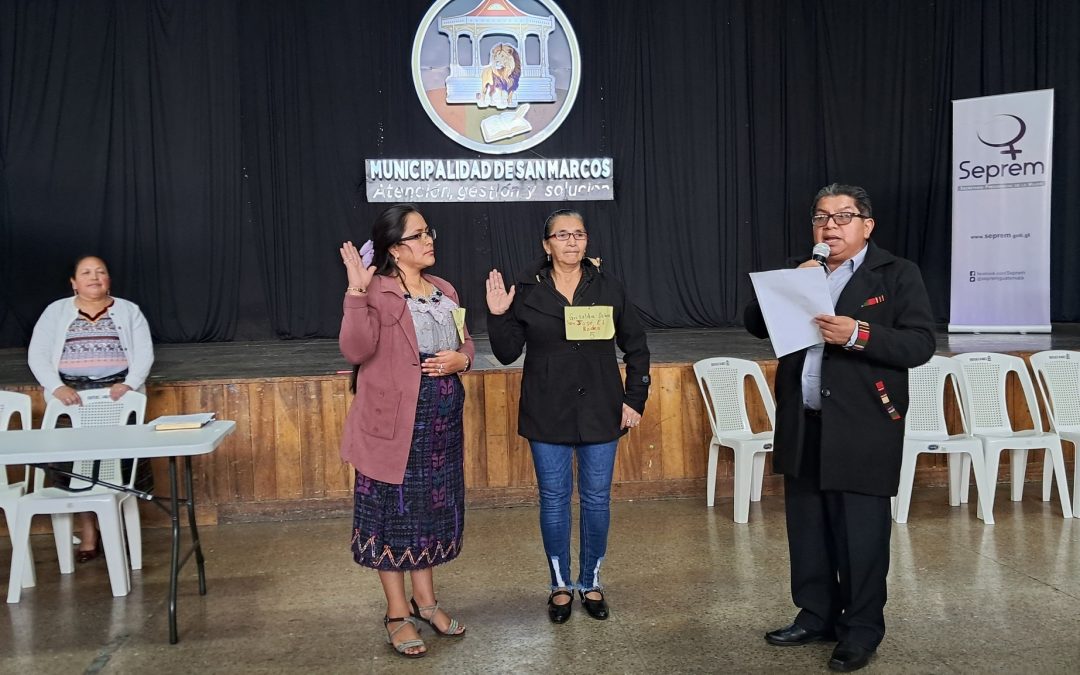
<point>549,257</point>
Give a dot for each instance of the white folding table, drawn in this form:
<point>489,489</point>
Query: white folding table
<point>45,446</point>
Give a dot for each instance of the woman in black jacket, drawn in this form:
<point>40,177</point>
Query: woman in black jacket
<point>572,394</point>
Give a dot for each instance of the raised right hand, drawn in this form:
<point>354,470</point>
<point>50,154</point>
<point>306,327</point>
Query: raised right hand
<point>354,266</point>
<point>498,300</point>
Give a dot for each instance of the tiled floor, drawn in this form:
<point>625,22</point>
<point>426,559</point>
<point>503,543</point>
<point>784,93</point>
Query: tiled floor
<point>690,591</point>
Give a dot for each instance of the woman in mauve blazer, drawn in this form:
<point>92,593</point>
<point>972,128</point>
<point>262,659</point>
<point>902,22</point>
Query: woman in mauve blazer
<point>403,433</point>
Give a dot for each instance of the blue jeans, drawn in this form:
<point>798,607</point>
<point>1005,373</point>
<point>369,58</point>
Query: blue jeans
<point>554,474</point>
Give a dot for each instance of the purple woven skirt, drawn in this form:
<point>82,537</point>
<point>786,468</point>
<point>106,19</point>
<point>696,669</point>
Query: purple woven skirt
<point>419,523</point>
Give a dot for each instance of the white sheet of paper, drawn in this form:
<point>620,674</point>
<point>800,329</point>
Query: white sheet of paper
<point>789,300</point>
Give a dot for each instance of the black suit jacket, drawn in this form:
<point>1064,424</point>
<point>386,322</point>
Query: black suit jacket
<point>864,393</point>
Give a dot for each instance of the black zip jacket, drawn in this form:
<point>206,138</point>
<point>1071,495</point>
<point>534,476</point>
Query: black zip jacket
<point>571,392</point>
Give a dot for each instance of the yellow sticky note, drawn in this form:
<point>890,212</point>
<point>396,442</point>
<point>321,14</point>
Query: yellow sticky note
<point>459,321</point>
<point>589,323</point>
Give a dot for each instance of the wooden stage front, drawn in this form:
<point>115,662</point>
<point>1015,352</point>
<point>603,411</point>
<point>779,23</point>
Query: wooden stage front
<point>289,401</point>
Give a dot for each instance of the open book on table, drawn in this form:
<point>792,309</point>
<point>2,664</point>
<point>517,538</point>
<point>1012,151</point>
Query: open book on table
<point>174,422</point>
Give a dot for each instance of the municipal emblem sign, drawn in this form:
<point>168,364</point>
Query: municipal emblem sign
<point>496,76</point>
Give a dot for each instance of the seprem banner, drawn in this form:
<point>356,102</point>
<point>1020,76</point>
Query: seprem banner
<point>1001,213</point>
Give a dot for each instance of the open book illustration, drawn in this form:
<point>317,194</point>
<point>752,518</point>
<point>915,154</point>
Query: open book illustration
<point>174,422</point>
<point>506,125</point>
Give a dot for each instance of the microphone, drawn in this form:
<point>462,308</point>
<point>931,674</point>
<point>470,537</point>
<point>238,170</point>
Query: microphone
<point>820,253</point>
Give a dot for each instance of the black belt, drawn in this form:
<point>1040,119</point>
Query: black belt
<point>810,412</point>
<point>81,382</point>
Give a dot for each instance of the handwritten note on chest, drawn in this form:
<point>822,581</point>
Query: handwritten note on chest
<point>459,320</point>
<point>589,323</point>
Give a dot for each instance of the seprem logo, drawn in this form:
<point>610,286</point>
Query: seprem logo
<point>1009,145</point>
<point>1002,131</point>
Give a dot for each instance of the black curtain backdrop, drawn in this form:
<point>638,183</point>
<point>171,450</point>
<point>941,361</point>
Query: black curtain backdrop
<point>212,150</point>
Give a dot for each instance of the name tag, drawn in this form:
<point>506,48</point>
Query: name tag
<point>589,323</point>
<point>459,320</point>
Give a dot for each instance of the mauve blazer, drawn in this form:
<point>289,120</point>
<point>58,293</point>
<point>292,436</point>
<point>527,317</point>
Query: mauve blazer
<point>377,333</point>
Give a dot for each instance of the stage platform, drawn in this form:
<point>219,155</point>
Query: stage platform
<point>222,361</point>
<point>289,399</point>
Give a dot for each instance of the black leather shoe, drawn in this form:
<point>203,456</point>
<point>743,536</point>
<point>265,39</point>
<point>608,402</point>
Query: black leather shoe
<point>849,656</point>
<point>597,609</point>
<point>795,635</point>
<point>559,613</point>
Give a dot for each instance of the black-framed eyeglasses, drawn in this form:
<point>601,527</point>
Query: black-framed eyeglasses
<point>429,233</point>
<point>843,218</point>
<point>563,235</point>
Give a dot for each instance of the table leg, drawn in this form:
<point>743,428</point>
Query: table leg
<point>174,561</point>
<point>200,562</point>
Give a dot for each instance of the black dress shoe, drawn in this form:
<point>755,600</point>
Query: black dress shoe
<point>559,613</point>
<point>849,656</point>
<point>597,609</point>
<point>795,635</point>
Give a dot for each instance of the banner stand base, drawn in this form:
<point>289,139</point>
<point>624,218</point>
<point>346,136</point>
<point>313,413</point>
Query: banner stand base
<point>1023,330</point>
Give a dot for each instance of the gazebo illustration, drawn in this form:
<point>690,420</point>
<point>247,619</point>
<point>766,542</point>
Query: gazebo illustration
<point>466,84</point>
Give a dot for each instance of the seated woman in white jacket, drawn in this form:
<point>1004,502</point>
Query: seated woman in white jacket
<point>90,341</point>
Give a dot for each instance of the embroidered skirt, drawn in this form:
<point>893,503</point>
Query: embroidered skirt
<point>419,523</point>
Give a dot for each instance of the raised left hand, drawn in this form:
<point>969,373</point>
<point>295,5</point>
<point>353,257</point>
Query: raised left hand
<point>836,330</point>
<point>630,417</point>
<point>446,362</point>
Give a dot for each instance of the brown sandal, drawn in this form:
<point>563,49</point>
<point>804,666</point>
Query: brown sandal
<point>455,629</point>
<point>405,644</point>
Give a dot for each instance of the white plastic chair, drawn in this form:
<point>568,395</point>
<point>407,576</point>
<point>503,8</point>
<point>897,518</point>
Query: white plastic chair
<point>14,403</point>
<point>721,381</point>
<point>97,409</point>
<point>1058,374</point>
<point>925,430</point>
<point>985,405</point>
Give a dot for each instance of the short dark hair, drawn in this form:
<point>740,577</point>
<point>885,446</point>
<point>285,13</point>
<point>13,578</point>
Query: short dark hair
<point>558,214</point>
<point>860,195</point>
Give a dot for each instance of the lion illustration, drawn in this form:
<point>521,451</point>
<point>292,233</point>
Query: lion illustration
<point>499,79</point>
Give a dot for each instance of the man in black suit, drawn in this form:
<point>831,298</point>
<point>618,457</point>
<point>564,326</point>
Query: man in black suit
<point>840,429</point>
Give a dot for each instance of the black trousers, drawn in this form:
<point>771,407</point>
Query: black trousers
<point>839,548</point>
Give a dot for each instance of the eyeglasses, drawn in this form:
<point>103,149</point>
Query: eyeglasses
<point>843,218</point>
<point>429,233</point>
<point>563,235</point>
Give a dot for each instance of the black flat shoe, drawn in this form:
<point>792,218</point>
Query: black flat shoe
<point>795,635</point>
<point>849,656</point>
<point>86,556</point>
<point>597,609</point>
<point>559,613</point>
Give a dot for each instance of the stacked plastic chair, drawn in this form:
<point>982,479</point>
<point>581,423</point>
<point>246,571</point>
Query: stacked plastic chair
<point>926,431</point>
<point>984,396</point>
<point>13,403</point>
<point>1058,374</point>
<point>97,409</point>
<point>721,381</point>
